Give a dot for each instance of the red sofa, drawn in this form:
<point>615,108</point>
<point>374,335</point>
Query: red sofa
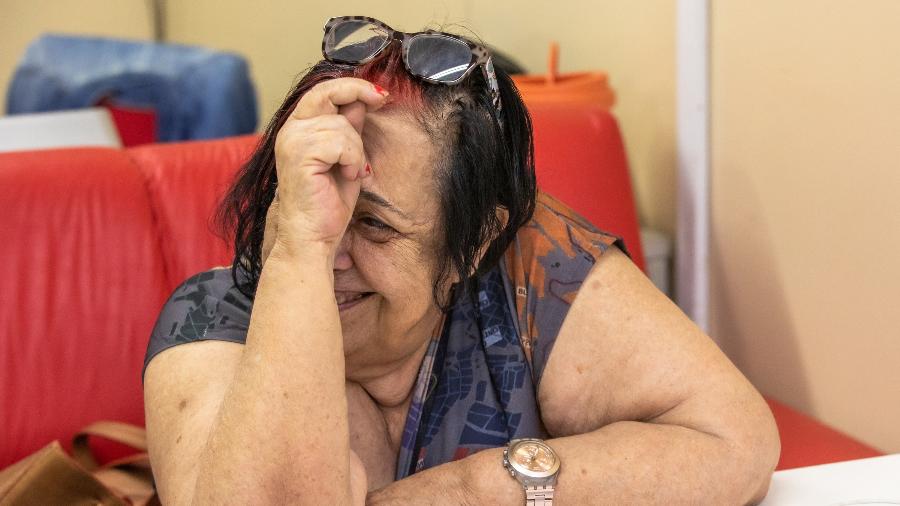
<point>93,240</point>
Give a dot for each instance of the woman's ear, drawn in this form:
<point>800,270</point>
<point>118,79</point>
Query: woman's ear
<point>502,216</point>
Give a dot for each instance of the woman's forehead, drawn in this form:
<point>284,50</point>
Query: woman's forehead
<point>402,159</point>
<point>390,127</point>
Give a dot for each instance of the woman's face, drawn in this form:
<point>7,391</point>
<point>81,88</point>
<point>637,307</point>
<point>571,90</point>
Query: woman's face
<point>385,266</point>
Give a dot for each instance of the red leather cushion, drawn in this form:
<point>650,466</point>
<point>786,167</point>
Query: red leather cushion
<point>135,125</point>
<point>807,442</point>
<point>185,182</point>
<point>580,160</point>
<point>80,288</point>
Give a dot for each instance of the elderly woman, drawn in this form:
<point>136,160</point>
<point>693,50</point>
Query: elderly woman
<point>408,321</point>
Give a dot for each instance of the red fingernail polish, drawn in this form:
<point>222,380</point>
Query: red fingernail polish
<point>378,89</point>
<point>368,168</point>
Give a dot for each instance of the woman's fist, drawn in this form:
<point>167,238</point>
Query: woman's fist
<point>319,159</point>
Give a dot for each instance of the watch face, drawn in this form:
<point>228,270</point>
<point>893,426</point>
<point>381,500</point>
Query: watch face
<point>533,458</point>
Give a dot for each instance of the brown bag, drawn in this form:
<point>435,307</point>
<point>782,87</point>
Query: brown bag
<point>50,477</point>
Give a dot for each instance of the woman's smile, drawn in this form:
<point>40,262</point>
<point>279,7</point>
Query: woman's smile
<point>345,300</point>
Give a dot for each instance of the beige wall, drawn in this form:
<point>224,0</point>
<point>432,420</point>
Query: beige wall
<point>630,40</point>
<point>806,205</point>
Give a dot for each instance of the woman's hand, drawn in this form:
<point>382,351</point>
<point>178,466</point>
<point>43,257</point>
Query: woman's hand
<point>319,160</point>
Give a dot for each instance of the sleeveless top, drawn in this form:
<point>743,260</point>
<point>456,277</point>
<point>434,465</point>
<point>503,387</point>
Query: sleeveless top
<point>477,384</point>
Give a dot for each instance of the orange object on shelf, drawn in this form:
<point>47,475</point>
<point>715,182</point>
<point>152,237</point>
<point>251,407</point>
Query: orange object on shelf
<point>572,88</point>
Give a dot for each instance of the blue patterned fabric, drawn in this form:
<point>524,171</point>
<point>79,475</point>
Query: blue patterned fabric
<point>482,394</point>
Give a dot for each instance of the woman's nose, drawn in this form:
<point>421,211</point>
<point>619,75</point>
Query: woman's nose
<point>342,258</point>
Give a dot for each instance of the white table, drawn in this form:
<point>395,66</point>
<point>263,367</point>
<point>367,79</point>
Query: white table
<point>871,482</point>
<point>81,127</point>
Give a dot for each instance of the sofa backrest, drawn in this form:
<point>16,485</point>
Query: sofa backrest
<point>94,240</point>
<point>184,184</point>
<point>580,159</point>
<point>79,282</point>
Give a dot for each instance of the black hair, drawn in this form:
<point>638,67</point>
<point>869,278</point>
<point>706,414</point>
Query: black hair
<point>482,168</point>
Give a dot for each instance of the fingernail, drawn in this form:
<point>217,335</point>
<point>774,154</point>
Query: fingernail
<point>381,91</point>
<point>368,168</point>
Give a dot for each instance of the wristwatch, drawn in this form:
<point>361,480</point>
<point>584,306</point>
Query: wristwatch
<point>535,465</point>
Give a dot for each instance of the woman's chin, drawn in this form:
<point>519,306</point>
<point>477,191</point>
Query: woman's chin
<point>357,321</point>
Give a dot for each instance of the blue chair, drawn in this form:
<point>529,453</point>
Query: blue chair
<point>196,93</point>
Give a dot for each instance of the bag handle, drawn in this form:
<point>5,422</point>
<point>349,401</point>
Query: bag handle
<point>129,477</point>
<point>124,433</point>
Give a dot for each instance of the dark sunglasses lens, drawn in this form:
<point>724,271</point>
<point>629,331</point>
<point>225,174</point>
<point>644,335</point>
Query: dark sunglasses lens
<point>354,41</point>
<point>438,58</point>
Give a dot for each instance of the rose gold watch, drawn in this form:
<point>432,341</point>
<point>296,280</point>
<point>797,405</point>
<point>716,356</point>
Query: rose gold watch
<point>535,465</point>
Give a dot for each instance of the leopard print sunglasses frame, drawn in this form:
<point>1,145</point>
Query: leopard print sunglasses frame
<point>480,57</point>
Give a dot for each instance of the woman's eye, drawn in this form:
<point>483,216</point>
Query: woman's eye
<point>374,229</point>
<point>373,223</point>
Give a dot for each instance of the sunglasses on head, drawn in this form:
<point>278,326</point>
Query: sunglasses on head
<point>435,57</point>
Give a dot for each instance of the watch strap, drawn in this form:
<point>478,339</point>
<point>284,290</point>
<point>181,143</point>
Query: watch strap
<point>539,496</point>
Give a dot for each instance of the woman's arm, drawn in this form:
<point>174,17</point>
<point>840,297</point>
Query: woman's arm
<point>282,426</point>
<point>251,424</point>
<point>267,423</point>
<point>204,452</point>
<point>644,407</point>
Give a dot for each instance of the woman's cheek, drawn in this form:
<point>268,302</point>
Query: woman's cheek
<point>397,269</point>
